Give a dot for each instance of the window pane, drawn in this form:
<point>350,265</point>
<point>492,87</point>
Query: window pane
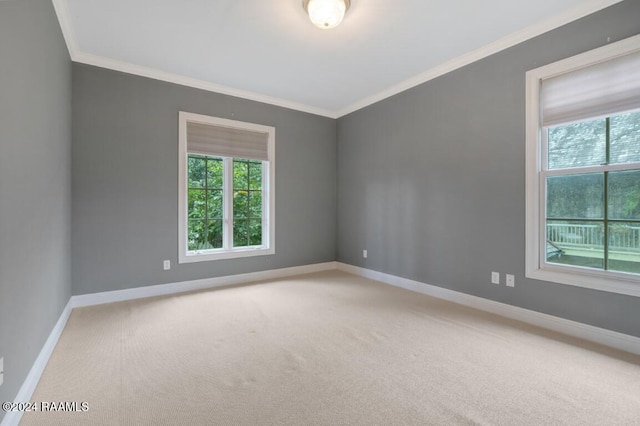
<point>214,173</point>
<point>196,204</point>
<point>240,174</point>
<point>196,235</point>
<point>624,195</point>
<point>575,243</point>
<point>240,233</point>
<point>255,232</point>
<point>255,204</point>
<point>196,172</point>
<point>575,196</point>
<point>214,204</point>
<point>214,233</point>
<point>624,247</point>
<point>625,138</point>
<point>241,204</point>
<point>578,144</point>
<point>255,175</point>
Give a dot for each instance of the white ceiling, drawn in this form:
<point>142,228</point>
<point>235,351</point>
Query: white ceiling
<point>268,50</point>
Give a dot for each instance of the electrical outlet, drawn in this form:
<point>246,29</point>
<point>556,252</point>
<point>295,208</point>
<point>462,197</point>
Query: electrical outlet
<point>495,277</point>
<point>167,265</point>
<point>1,370</point>
<point>511,280</point>
<point>364,254</point>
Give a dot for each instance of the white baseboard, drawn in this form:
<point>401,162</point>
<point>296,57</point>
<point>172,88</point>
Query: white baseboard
<point>29,386</point>
<point>571,328</point>
<point>602,336</point>
<point>181,287</point>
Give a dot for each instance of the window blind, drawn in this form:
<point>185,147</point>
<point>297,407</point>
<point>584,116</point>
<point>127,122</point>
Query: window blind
<point>598,90</point>
<point>210,139</point>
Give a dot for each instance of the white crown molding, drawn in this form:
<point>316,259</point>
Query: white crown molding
<point>602,336</point>
<point>64,18</point>
<point>155,74</point>
<point>483,52</point>
<point>61,8</point>
<point>585,9</point>
<point>62,11</point>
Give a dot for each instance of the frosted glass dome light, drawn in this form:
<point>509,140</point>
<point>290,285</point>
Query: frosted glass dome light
<point>326,14</point>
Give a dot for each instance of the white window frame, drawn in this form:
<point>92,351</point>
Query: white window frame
<point>536,265</point>
<point>268,194</point>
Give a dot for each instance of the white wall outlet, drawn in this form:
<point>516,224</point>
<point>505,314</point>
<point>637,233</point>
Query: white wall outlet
<point>1,370</point>
<point>511,280</point>
<point>364,254</point>
<point>166,265</point>
<point>495,277</point>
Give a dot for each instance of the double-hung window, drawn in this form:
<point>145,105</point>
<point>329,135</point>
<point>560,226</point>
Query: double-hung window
<point>583,170</point>
<point>226,188</point>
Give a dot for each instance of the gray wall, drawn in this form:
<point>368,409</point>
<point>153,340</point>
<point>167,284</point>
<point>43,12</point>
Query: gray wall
<point>125,181</point>
<point>432,181</point>
<point>35,186</point>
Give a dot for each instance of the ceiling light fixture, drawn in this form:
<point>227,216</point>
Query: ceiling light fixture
<point>326,14</point>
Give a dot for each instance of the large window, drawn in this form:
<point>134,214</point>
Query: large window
<point>226,188</point>
<point>583,170</point>
<point>592,184</point>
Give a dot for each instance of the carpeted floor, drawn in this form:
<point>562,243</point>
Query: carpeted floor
<point>327,348</point>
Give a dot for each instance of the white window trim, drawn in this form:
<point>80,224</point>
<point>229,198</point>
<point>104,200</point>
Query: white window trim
<point>536,266</point>
<point>268,175</point>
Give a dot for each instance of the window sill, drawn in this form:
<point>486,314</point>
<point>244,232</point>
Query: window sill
<point>205,256</point>
<point>611,282</point>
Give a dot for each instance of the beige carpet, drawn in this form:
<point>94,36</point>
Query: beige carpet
<point>329,349</point>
